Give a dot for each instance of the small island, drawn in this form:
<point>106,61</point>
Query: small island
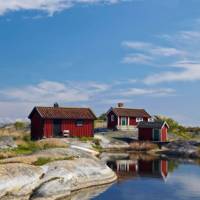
<point>44,166</point>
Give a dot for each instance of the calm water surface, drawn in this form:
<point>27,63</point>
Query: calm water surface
<point>152,179</point>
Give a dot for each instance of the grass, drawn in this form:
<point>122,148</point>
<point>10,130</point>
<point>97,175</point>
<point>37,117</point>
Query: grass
<point>44,160</point>
<point>86,139</point>
<point>97,147</point>
<point>27,147</point>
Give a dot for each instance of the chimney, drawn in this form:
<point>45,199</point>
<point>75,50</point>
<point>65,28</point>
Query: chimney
<point>120,105</point>
<point>55,105</point>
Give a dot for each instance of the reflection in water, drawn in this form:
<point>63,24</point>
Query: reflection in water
<point>143,177</point>
<point>88,193</point>
<point>140,168</point>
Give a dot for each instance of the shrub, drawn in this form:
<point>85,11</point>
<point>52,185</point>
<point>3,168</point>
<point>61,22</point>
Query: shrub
<point>20,125</point>
<point>143,146</point>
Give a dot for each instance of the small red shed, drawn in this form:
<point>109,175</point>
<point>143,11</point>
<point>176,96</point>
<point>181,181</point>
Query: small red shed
<point>122,118</point>
<point>48,122</point>
<point>153,131</point>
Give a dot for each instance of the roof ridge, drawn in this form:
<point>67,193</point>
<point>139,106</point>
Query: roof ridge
<point>62,107</point>
<point>130,108</point>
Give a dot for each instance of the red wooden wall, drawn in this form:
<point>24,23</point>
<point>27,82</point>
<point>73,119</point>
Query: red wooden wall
<point>87,130</point>
<point>164,134</point>
<point>111,125</point>
<point>48,128</point>
<point>145,134</point>
<point>133,121</point>
<point>44,128</point>
<point>36,127</point>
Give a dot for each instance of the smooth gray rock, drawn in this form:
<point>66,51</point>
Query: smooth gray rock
<point>183,148</point>
<point>53,180</point>
<point>7,142</point>
<point>18,179</point>
<point>111,143</point>
<point>63,177</point>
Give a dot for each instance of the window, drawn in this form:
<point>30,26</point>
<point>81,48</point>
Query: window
<point>150,120</point>
<point>79,122</point>
<point>112,118</point>
<point>139,119</point>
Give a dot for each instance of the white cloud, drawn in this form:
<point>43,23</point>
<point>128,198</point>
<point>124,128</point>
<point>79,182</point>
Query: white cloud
<point>49,92</point>
<point>179,58</point>
<point>187,184</point>
<point>188,72</point>
<point>137,58</point>
<point>153,49</point>
<point>17,102</point>
<point>147,91</point>
<point>48,6</point>
<point>137,45</point>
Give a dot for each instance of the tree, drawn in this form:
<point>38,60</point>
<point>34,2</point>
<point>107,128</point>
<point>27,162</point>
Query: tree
<point>102,116</point>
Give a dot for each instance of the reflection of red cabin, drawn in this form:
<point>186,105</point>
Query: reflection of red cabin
<point>153,168</point>
<point>121,118</point>
<point>153,131</point>
<point>47,122</point>
<point>142,168</point>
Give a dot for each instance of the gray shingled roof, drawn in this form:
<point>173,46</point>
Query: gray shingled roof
<point>156,124</point>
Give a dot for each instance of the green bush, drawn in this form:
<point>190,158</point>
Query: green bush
<point>20,125</point>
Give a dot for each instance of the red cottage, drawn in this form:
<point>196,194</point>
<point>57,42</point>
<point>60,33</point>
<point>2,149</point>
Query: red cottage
<point>47,122</point>
<point>153,131</point>
<point>121,118</point>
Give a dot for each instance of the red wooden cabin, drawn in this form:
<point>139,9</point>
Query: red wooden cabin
<point>153,131</point>
<point>48,122</point>
<point>121,118</point>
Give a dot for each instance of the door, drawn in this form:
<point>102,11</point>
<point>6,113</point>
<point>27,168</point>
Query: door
<point>156,134</point>
<point>123,121</point>
<point>57,131</point>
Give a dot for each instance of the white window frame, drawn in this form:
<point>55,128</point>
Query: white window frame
<point>139,119</point>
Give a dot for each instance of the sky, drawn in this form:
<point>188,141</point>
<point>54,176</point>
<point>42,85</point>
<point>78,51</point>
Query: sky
<point>96,53</point>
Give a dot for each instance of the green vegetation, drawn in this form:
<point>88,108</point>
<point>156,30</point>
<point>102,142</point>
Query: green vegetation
<point>26,147</point>
<point>90,139</point>
<point>178,130</point>
<point>86,139</point>
<point>20,125</point>
<point>44,160</point>
<point>172,165</point>
<point>102,117</point>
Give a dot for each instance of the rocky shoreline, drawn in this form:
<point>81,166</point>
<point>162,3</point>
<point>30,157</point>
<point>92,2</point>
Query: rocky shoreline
<point>54,180</point>
<point>76,167</point>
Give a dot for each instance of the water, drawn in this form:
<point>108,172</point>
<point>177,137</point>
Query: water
<point>142,178</point>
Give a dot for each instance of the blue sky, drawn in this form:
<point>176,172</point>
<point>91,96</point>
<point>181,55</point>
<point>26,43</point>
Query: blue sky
<point>96,53</point>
